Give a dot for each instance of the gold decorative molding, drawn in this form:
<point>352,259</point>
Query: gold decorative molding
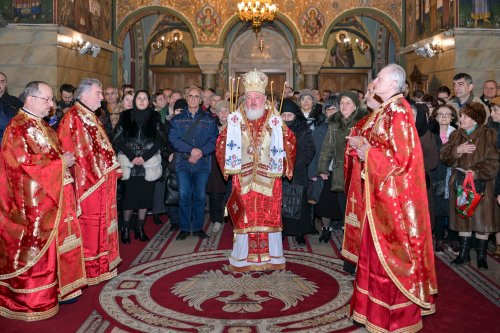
<point>298,13</point>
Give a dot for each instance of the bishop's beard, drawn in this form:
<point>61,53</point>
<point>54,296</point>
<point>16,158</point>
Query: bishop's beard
<point>254,113</point>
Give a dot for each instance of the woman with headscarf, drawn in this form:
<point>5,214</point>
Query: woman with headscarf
<point>139,138</point>
<point>473,148</point>
<point>294,119</point>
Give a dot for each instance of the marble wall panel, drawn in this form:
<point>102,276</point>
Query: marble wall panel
<point>478,56</point>
<point>440,69</point>
<point>72,67</point>
<point>28,54</point>
<point>31,52</point>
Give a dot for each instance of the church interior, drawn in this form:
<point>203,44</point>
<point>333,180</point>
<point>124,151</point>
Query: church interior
<point>329,44</point>
<point>160,44</point>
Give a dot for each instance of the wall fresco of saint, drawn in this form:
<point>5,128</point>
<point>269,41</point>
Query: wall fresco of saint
<point>91,17</point>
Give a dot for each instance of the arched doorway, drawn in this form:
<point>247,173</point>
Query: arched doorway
<point>359,44</point>
<point>269,52</point>
<point>146,68</point>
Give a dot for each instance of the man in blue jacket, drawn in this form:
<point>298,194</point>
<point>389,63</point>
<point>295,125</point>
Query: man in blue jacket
<point>192,135</point>
<point>9,105</point>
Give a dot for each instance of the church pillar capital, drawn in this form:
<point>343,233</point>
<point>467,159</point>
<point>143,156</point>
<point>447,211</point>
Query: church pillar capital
<point>311,60</point>
<point>208,58</point>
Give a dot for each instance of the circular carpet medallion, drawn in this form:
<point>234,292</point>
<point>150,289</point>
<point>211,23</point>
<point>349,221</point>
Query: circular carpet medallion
<point>197,293</point>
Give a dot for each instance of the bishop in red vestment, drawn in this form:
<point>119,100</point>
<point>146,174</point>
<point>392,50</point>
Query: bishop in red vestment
<point>96,173</point>
<point>41,261</point>
<point>257,149</point>
<point>387,230</point>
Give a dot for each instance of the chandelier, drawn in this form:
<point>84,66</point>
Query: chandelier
<point>257,12</point>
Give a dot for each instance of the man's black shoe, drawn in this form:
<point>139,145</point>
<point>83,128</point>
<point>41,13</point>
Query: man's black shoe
<point>300,239</point>
<point>182,235</point>
<point>174,227</point>
<point>201,234</point>
<point>156,219</point>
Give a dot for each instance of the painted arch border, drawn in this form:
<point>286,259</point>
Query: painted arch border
<point>135,16</point>
<point>380,16</point>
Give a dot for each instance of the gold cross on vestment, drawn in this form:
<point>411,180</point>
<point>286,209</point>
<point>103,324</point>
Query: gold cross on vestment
<point>354,201</point>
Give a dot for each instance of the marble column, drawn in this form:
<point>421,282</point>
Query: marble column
<point>208,59</point>
<point>311,61</point>
<point>311,81</point>
<point>209,80</point>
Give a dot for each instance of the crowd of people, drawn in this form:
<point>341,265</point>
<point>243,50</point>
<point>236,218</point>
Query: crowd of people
<point>79,175</point>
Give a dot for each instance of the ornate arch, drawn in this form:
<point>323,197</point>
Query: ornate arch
<point>135,16</point>
<point>378,15</point>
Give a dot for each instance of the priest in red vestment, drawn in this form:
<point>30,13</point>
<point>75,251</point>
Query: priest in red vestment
<point>41,261</point>
<point>258,150</point>
<point>96,171</point>
<point>387,230</point>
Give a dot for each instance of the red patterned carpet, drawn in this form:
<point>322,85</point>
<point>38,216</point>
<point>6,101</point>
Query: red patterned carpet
<point>184,286</point>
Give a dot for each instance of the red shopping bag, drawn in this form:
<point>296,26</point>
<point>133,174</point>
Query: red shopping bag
<point>467,197</point>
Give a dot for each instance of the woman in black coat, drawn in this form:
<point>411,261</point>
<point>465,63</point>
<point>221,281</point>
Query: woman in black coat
<point>294,119</point>
<point>494,122</point>
<point>138,139</point>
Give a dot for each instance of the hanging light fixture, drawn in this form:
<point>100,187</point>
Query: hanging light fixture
<point>157,45</point>
<point>257,12</point>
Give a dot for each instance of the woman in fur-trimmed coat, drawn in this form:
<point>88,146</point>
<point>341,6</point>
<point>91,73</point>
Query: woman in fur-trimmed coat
<point>473,148</point>
<point>139,138</point>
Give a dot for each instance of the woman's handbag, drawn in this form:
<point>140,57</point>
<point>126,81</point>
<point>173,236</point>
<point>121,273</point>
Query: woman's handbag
<point>125,165</point>
<point>467,197</point>
<point>460,178</point>
<point>152,168</point>
<point>171,188</point>
<point>292,200</point>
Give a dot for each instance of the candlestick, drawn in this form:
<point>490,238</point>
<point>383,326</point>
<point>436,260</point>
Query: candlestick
<point>282,96</point>
<point>237,88</point>
<point>230,96</point>
<point>272,96</point>
<point>234,99</point>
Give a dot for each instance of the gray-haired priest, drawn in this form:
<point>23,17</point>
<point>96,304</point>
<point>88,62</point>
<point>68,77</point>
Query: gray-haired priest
<point>258,150</point>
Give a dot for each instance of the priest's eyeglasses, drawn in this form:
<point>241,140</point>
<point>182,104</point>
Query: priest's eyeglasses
<point>46,99</point>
